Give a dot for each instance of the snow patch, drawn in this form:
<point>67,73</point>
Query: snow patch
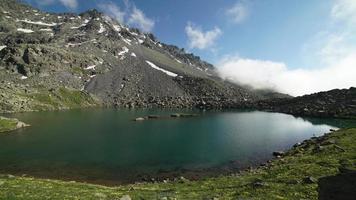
<point>178,60</point>
<point>37,23</point>
<point>7,17</point>
<point>162,70</point>
<point>46,29</point>
<point>78,44</point>
<point>127,41</point>
<point>133,54</point>
<point>116,28</point>
<point>90,67</point>
<point>2,47</point>
<point>123,52</point>
<point>82,25</point>
<point>25,30</point>
<point>23,77</point>
<point>77,27</point>
<point>102,28</point>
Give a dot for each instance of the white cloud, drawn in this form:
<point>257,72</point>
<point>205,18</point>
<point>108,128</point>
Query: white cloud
<point>238,13</point>
<point>275,75</point>
<point>200,39</point>
<point>333,49</point>
<point>139,19</point>
<point>344,9</point>
<point>112,10</point>
<point>71,4</point>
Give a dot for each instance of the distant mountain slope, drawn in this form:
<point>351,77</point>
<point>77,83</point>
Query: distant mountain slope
<point>56,61</point>
<point>334,103</point>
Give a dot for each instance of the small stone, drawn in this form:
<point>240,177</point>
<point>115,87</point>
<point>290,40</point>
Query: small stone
<point>10,176</point>
<point>153,116</point>
<point>258,184</point>
<point>183,180</point>
<point>278,153</point>
<point>175,115</point>
<point>140,119</point>
<point>126,197</point>
<point>310,180</point>
<point>297,145</point>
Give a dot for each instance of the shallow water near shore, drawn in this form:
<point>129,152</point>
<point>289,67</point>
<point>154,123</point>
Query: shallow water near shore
<point>107,146</point>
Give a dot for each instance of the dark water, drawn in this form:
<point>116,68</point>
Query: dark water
<point>105,145</point>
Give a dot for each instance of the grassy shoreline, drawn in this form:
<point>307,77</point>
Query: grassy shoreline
<point>293,176</point>
<point>10,124</point>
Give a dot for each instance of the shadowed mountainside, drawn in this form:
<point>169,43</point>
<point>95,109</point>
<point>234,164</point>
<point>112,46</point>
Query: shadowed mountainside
<point>56,61</point>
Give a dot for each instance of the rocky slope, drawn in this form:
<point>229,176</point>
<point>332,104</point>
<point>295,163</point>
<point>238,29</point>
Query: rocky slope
<point>57,61</point>
<point>334,103</point>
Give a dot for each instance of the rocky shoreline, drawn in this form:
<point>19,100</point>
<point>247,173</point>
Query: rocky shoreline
<point>306,171</point>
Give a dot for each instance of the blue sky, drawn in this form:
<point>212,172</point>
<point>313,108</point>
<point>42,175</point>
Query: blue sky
<point>292,36</point>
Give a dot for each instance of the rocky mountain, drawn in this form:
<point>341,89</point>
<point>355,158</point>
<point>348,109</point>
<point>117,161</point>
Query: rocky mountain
<point>334,103</point>
<point>55,61</point>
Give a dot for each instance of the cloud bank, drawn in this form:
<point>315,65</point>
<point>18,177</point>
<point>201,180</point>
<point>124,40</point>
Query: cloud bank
<point>199,39</point>
<point>275,75</point>
<point>334,48</point>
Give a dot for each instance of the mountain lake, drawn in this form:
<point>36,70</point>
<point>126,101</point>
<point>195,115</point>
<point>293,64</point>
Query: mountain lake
<point>107,146</point>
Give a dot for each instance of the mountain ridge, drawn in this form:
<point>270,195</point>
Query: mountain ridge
<point>52,61</point>
<point>337,103</point>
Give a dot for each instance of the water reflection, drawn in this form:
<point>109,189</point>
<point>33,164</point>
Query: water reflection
<point>107,144</point>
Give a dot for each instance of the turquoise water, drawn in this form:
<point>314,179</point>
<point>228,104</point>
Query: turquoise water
<point>106,145</point>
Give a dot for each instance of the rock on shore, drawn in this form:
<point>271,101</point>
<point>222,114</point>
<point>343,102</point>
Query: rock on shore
<point>10,124</point>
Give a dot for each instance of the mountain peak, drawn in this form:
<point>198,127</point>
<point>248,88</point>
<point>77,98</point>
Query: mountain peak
<point>94,13</point>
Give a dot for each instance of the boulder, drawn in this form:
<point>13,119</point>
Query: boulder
<point>21,125</point>
<point>278,153</point>
<point>139,119</point>
<point>310,180</point>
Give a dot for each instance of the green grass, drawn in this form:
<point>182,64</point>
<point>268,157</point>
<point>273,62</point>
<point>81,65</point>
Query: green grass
<point>283,178</point>
<point>62,98</point>
<point>7,124</point>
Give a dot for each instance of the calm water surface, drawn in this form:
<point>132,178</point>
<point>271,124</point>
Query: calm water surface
<point>106,145</point>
